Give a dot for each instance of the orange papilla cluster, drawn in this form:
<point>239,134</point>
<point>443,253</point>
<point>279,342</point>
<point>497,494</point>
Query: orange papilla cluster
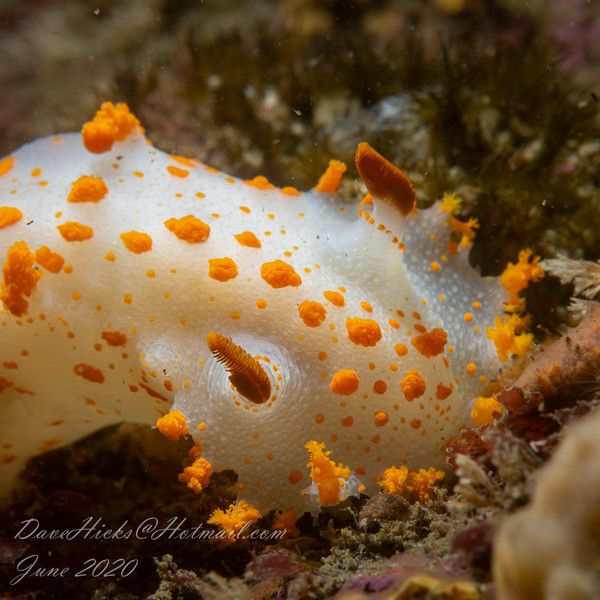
<point>363,332</point>
<point>279,274</point>
<point>112,123</point>
<point>87,189</point>
<point>189,228</point>
<point>312,313</point>
<point>19,278</point>
<point>413,385</point>
<point>509,335</point>
<point>331,179</point>
<point>485,410</point>
<point>71,231</point>
<point>9,215</point>
<point>414,485</point>
<point>248,239</point>
<point>431,343</point>
<point>516,277</point>
<point>287,521</point>
<point>136,241</point>
<point>222,269</point>
<point>51,261</point>
<point>197,475</point>
<point>344,382</point>
<point>172,425</point>
<point>325,474</point>
<point>232,520</point>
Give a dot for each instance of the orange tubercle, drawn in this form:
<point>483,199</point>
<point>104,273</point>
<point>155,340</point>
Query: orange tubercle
<point>331,179</point>
<point>172,425</point>
<point>112,123</point>
<point>19,279</point>
<point>189,228</point>
<point>87,189</point>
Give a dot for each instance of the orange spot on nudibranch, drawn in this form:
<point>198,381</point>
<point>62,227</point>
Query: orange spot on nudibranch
<point>9,215</point>
<point>344,382</point>
<point>114,338</point>
<point>88,372</point>
<point>279,274</point>
<point>431,343</point>
<point>136,241</point>
<point>381,418</point>
<point>413,385</point>
<point>331,179</point>
<point>19,279</point>
<point>6,165</point>
<point>260,182</point>
<point>335,298</point>
<point>177,172</point>
<point>247,238</point>
<point>197,475</point>
<point>383,180</point>
<point>112,123</point>
<point>189,228</point>
<point>312,313</point>
<point>87,189</point>
<point>51,261</point>
<point>71,231</point>
<point>245,372</point>
<point>172,425</point>
<point>442,391</point>
<point>222,269</point>
<point>363,332</point>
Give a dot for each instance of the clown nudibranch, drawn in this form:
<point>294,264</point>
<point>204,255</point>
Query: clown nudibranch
<point>265,320</point>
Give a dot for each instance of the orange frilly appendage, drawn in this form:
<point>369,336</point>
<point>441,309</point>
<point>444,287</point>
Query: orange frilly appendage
<point>328,477</point>
<point>197,475</point>
<point>414,485</point>
<point>234,519</point>
<point>19,279</point>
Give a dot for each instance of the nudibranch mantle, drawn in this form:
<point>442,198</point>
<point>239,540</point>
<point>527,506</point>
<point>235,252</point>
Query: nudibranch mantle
<point>372,344</point>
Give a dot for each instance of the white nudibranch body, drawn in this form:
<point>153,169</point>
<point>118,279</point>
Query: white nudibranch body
<point>135,283</point>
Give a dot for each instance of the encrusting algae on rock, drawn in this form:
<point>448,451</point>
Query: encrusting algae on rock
<point>263,322</point>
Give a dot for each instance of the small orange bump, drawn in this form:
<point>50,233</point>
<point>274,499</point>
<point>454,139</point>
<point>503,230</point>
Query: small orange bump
<point>6,165</point>
<point>344,382</point>
<point>442,391</point>
<point>110,256</point>
<point>260,182</point>
<point>9,215</point>
<point>331,179</point>
<point>189,228</point>
<point>294,477</point>
<point>87,189</point>
<point>112,123</point>
<point>260,303</point>
<point>347,421</point>
<point>335,298</point>
<point>177,172</point>
<point>380,387</point>
<point>172,425</point>
<point>471,368</point>
<point>51,261</point>
<point>114,338</point>
<point>312,313</point>
<point>401,349</point>
<point>88,372</point>
<point>71,231</point>
<point>319,418</point>
<point>431,343</point>
<point>247,238</point>
<point>222,269</point>
<point>366,306</point>
<point>288,190</point>
<point>19,279</point>
<point>136,241</point>
<point>413,385</point>
<point>279,274</point>
<point>381,418</point>
<point>363,332</point>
